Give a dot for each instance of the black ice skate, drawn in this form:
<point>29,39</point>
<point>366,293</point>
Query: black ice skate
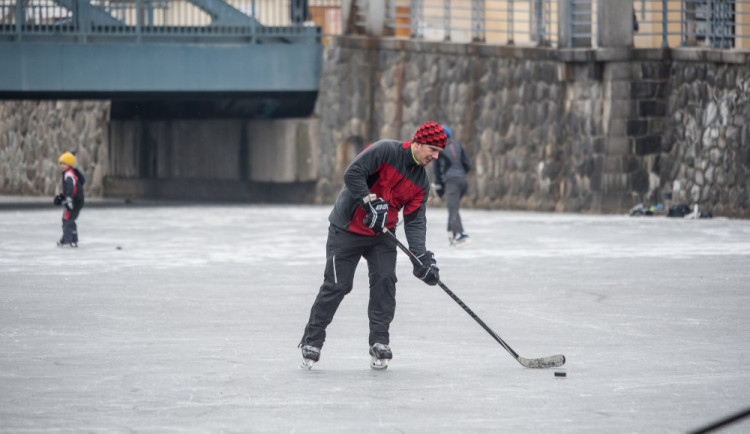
<point>310,355</point>
<point>380,355</point>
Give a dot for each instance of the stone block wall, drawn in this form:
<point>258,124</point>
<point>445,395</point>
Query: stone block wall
<point>706,146</point>
<point>637,103</point>
<point>514,110</point>
<point>33,135</point>
<point>550,130</point>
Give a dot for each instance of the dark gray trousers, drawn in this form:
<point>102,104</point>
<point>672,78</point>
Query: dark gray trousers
<point>455,189</point>
<point>69,226</point>
<point>343,252</point>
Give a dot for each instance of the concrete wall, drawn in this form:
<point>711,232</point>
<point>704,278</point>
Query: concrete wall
<point>230,159</point>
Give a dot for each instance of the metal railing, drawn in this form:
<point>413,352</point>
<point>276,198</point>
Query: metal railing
<point>584,24</point>
<point>723,24</point>
<point>692,23</point>
<point>254,20</point>
<point>522,22</point>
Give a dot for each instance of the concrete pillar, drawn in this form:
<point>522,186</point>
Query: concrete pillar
<point>374,12</point>
<point>615,19</point>
<point>283,150</point>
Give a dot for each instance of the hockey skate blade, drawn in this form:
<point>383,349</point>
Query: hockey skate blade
<point>378,364</point>
<point>463,242</point>
<point>307,364</point>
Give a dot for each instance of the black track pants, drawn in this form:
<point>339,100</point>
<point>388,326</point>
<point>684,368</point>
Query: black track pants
<point>69,226</point>
<point>455,189</point>
<point>343,252</point>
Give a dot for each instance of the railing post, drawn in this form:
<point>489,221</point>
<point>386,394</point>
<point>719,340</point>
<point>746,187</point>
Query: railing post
<point>538,31</point>
<point>150,9</point>
<point>446,20</point>
<point>414,18</point>
<point>343,16</point>
<point>138,19</point>
<point>564,24</point>
<point>83,20</point>
<point>683,23</point>
<point>20,17</point>
<point>573,24</point>
<point>509,19</point>
<point>477,20</point>
<point>712,30</point>
<point>546,39</point>
<point>254,23</point>
<point>664,23</point>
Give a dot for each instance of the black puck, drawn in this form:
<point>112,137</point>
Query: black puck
<point>560,374</point>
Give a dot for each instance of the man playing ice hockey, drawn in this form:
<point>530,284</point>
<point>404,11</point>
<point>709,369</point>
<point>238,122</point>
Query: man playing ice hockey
<point>388,176</point>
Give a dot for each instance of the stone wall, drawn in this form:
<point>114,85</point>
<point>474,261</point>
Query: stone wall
<point>706,146</point>
<point>33,135</point>
<point>517,111</point>
<point>571,130</point>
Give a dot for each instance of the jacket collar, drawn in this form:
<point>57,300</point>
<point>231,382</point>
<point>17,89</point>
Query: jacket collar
<point>409,155</point>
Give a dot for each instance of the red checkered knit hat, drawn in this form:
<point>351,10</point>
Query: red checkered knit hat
<point>431,133</point>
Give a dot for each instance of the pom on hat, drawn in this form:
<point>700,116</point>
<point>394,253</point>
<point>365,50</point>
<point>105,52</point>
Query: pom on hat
<point>447,130</point>
<point>68,159</point>
<point>431,133</point>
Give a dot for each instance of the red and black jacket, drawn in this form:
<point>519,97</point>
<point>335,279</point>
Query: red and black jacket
<point>72,186</point>
<point>387,169</point>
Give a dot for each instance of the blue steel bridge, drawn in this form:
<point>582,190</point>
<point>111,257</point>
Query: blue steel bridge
<point>168,58</point>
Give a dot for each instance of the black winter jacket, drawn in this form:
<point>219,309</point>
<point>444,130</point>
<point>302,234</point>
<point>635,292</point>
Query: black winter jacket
<point>387,169</point>
<point>72,184</point>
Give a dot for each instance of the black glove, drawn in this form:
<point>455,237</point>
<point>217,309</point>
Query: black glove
<point>426,269</point>
<point>377,213</point>
<point>439,190</point>
<point>58,199</point>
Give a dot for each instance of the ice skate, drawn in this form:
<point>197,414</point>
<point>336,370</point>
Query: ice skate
<point>310,355</point>
<point>460,240</point>
<point>380,356</point>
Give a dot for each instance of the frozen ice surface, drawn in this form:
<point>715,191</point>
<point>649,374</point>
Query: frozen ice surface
<point>192,325</point>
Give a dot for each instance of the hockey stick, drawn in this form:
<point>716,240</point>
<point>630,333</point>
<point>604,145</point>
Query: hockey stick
<point>543,362</point>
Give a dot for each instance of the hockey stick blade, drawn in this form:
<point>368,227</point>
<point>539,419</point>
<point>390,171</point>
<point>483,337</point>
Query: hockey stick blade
<point>544,362</point>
